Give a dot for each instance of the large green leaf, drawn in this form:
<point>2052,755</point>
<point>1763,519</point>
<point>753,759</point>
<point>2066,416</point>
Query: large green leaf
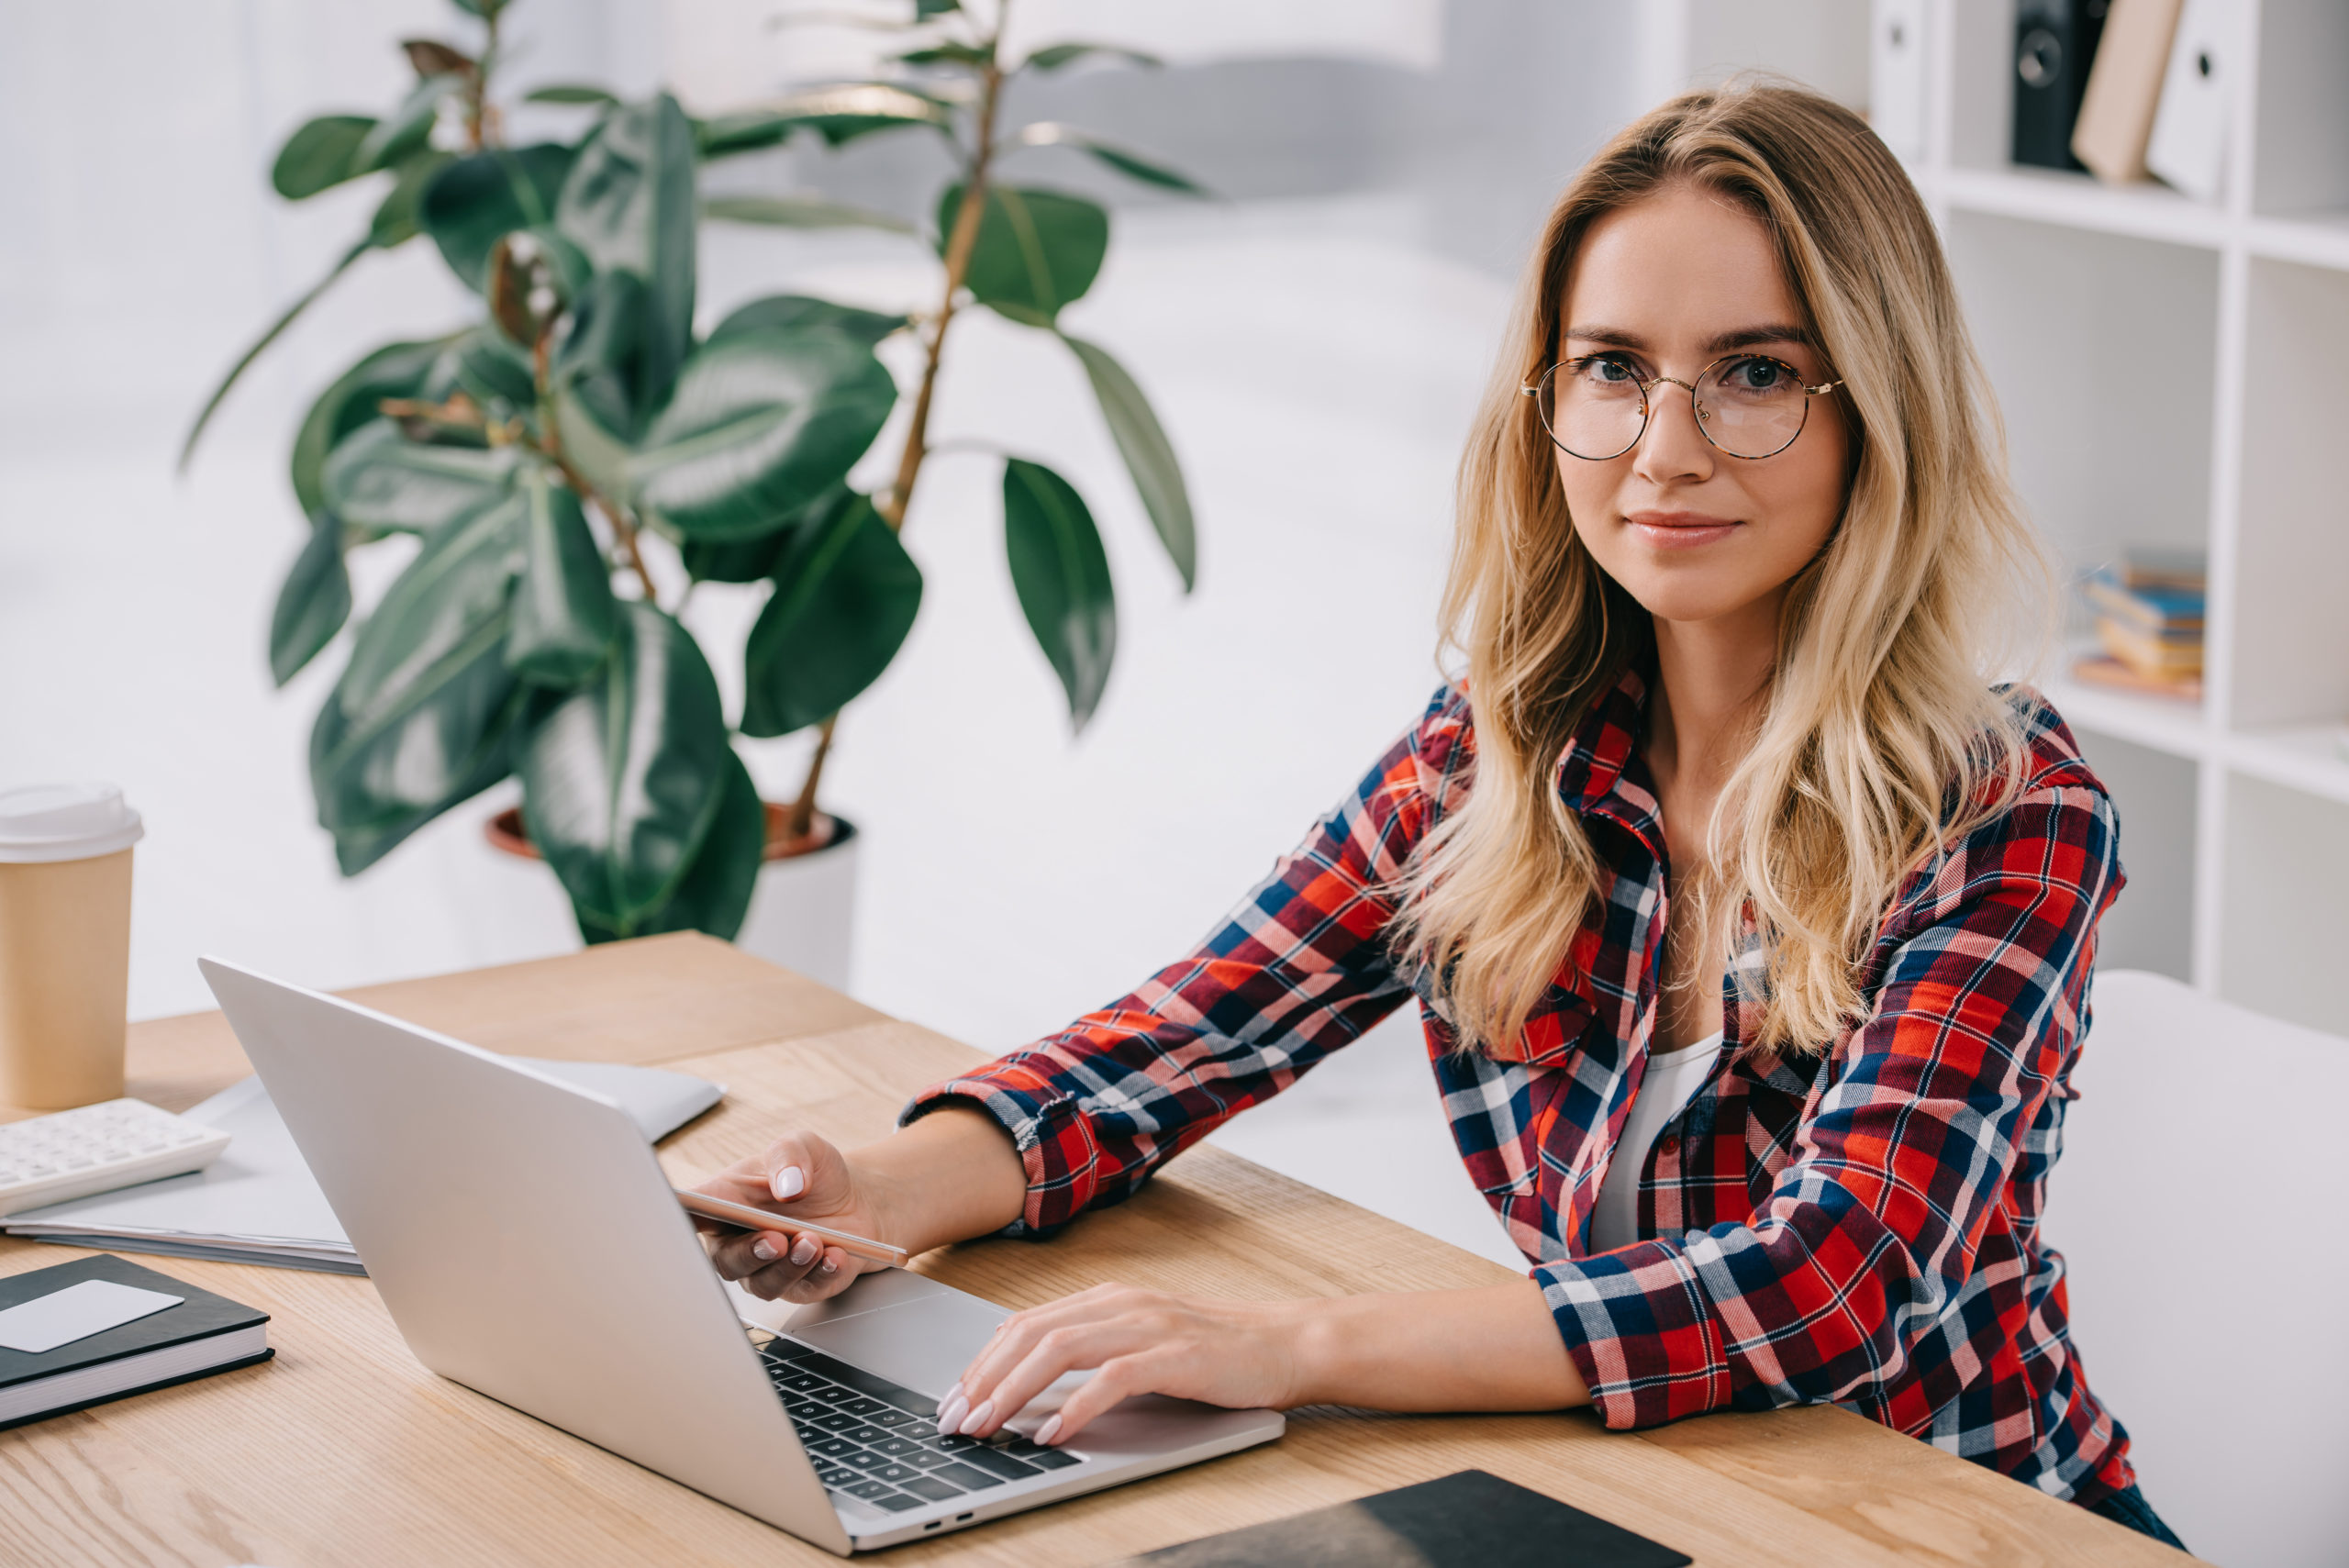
<point>762,423</point>
<point>801,212</point>
<point>313,603</point>
<point>714,893</point>
<point>623,780</point>
<point>629,204</point>
<point>477,200</point>
<point>754,559</point>
<point>317,156</point>
<point>563,610</point>
<point>1063,577</point>
<point>1037,250</point>
<point>397,370</point>
<point>599,363</point>
<point>845,596</point>
<point>1125,161</point>
<point>839,112</point>
<point>377,478</point>
<point>423,715</point>
<point>867,326</point>
<point>495,373</point>
<point>396,221</point>
<point>1150,457</point>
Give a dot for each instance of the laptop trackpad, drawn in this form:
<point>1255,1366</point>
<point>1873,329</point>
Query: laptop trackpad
<point>923,1343</point>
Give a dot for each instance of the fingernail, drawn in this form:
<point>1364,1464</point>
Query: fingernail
<point>804,1251</point>
<point>950,1414</point>
<point>788,1183</point>
<point>1048,1431</point>
<point>977,1417</point>
<point>830,1267</point>
<point>764,1251</point>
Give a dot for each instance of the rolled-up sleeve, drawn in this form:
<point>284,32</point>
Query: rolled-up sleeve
<point>1868,1240</point>
<point>1298,969</point>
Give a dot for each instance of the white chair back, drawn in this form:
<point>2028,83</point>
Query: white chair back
<point>2196,1203</point>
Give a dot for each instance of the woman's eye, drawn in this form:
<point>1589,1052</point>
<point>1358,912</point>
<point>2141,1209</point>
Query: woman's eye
<point>1755,375</point>
<point>1606,372</point>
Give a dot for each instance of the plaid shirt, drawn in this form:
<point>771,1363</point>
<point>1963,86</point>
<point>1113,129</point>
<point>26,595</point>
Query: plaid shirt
<point>1861,1227</point>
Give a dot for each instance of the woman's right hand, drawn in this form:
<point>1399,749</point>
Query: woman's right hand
<point>800,1176</point>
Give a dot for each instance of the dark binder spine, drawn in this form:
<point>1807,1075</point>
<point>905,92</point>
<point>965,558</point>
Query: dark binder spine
<point>2054,44</point>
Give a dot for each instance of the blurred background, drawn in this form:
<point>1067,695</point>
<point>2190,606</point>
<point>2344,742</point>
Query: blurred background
<point>1314,339</point>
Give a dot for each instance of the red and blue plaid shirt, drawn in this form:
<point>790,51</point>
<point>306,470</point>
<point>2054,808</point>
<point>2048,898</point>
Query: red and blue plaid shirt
<point>1860,1227</point>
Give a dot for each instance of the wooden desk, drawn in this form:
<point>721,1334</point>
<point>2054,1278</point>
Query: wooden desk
<point>346,1451</point>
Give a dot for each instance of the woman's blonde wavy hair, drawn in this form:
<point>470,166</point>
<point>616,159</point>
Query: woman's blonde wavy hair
<point>1879,739</point>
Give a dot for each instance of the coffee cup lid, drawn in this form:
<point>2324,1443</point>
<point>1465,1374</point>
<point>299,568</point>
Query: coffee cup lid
<point>65,822</point>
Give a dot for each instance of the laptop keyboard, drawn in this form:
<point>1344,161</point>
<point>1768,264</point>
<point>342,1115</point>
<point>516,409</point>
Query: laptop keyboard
<point>877,1441</point>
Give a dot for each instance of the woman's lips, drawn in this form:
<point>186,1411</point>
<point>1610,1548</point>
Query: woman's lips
<point>1679,531</point>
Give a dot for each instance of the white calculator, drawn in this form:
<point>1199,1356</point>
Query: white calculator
<point>95,1149</point>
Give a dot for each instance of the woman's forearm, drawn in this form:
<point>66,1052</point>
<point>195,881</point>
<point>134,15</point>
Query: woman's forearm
<point>1495,1348</point>
<point>949,1176</point>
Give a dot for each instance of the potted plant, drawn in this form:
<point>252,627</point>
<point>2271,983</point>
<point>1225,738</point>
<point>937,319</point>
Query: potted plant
<point>587,421</point>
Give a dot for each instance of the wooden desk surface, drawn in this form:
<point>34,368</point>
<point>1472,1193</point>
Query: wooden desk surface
<point>345,1451</point>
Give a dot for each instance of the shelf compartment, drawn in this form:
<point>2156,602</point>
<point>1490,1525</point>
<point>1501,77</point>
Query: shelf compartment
<point>2103,352</point>
<point>2151,923</point>
<point>2290,635</point>
<point>2281,909</point>
<point>2302,146</point>
<point>2305,757</point>
<point>2174,729</point>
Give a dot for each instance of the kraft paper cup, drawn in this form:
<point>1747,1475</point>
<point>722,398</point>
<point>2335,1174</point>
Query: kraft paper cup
<point>64,942</point>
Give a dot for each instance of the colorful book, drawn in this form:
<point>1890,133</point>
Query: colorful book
<point>2174,615</point>
<point>2104,670</point>
<point>2156,657</point>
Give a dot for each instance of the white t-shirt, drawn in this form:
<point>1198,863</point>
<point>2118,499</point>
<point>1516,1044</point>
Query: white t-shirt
<point>1671,1080</point>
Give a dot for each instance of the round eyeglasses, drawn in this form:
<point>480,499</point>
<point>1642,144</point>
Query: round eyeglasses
<point>1749,406</point>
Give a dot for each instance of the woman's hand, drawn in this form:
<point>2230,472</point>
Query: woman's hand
<point>1240,1355</point>
<point>800,1178</point>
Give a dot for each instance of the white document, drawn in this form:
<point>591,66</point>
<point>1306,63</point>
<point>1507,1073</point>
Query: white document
<point>1896,76</point>
<point>2189,148</point>
<point>77,1312</point>
<point>258,1202</point>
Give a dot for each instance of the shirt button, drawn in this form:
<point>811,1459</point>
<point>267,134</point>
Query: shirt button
<point>1668,1144</point>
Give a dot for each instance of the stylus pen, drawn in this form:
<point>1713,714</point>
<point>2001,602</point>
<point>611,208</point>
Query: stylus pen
<point>744,1216</point>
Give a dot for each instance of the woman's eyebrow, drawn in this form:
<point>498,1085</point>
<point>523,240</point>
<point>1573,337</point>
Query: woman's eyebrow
<point>1721,343</point>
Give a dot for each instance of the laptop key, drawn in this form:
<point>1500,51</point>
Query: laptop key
<point>891,1419</point>
<point>864,1461</point>
<point>925,1459</point>
<point>932,1487</point>
<point>897,1502</point>
<point>1053,1458</point>
<point>832,1448</point>
<point>836,1478</point>
<point>955,1442</point>
<point>895,1475</point>
<point>1002,1464</point>
<point>864,1406</point>
<point>871,1491</point>
<point>804,1382</point>
<point>896,1448</point>
<point>866,1435</point>
<point>837,1422</point>
<point>965,1477</point>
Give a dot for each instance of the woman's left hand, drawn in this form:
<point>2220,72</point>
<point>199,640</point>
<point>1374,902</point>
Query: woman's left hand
<point>1241,1354</point>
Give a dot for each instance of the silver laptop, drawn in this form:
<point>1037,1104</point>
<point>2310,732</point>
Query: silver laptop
<point>526,1244</point>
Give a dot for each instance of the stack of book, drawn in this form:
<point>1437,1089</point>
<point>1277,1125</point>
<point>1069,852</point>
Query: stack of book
<point>2149,625</point>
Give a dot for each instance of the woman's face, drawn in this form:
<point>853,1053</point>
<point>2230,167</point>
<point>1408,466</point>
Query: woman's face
<point>1666,286</point>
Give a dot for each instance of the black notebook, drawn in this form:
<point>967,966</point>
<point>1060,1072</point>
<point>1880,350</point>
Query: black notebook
<point>202,1334</point>
<point>1468,1520</point>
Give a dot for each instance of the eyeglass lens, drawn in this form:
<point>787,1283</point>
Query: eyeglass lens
<point>1748,405</point>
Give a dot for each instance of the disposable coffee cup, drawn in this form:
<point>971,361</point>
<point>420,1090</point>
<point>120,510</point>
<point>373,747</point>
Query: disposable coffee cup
<point>64,943</point>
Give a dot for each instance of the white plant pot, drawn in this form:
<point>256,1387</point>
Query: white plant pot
<point>802,916</point>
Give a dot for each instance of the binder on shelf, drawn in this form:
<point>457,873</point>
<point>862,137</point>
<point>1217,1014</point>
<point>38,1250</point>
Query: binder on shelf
<point>2056,43</point>
<point>2188,149</point>
<point>1896,76</point>
<point>2124,89</point>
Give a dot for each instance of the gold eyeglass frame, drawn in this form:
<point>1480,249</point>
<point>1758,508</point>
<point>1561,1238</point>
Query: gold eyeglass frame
<point>1647,406</point>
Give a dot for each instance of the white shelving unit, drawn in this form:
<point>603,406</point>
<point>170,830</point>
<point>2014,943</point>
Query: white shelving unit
<point>2171,372</point>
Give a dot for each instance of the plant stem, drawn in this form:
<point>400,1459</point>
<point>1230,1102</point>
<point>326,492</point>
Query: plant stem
<point>803,811</point>
<point>960,246</point>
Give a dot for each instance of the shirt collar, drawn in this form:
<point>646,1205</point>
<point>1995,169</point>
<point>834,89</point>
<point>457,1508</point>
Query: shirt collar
<point>1600,769</point>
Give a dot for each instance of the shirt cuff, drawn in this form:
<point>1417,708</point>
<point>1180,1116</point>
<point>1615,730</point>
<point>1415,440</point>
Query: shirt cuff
<point>1046,1126</point>
<point>1635,1323</point>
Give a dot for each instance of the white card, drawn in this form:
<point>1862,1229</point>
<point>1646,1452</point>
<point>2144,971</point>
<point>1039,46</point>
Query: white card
<point>77,1312</point>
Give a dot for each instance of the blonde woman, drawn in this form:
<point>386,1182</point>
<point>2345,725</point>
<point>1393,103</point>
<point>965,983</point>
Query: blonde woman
<point>1751,925</point>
